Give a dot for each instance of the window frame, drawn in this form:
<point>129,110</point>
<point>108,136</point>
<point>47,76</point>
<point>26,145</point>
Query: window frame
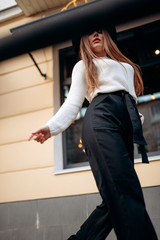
<point>58,140</point>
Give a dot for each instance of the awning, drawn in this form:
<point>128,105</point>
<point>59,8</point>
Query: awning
<point>62,26</point>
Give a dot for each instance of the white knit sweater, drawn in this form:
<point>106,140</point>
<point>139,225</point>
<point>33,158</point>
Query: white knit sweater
<point>112,76</point>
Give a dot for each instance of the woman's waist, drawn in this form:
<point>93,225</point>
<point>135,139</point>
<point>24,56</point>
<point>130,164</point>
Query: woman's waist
<point>110,103</point>
<point>107,90</point>
<point>113,95</point>
<point>117,93</point>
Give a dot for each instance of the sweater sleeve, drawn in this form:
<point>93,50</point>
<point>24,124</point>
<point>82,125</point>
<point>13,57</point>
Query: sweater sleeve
<point>70,108</point>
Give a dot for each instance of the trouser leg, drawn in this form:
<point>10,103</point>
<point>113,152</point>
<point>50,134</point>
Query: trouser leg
<point>123,206</point>
<point>97,226</point>
<point>118,185</point>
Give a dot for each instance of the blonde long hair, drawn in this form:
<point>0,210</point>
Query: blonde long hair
<point>114,53</point>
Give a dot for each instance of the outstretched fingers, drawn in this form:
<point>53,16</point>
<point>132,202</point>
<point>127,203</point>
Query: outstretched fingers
<point>41,135</point>
<point>37,136</point>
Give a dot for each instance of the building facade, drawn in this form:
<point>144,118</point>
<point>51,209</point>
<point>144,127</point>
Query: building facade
<point>47,191</point>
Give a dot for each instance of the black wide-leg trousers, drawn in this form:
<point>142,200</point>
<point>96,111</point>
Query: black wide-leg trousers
<point>108,141</point>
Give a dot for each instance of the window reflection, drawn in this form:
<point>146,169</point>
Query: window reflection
<point>74,148</point>
<point>149,106</point>
<point>75,151</point>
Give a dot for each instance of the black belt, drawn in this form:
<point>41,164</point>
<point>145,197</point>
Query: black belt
<point>138,137</point>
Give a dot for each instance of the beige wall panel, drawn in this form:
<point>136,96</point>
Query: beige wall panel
<point>41,183</point>
<point>26,155</point>
<point>18,128</point>
<point>26,100</point>
<point>16,63</point>
<point>24,60</point>
<point>43,55</point>
<point>149,174</point>
<point>25,78</point>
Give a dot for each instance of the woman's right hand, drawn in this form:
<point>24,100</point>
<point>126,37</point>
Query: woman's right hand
<point>40,135</point>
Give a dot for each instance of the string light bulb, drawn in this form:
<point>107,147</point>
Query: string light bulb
<point>157,52</point>
<point>80,145</point>
<point>153,97</point>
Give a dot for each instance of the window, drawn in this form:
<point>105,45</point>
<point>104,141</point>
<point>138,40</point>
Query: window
<point>134,45</point>
<point>73,154</point>
<point>69,154</point>
<point>151,110</point>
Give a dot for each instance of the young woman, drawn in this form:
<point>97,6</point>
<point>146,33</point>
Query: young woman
<point>111,83</point>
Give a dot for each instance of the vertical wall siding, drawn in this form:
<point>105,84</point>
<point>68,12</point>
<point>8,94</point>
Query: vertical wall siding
<point>26,102</point>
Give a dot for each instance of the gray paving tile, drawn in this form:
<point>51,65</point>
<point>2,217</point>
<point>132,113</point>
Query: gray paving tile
<point>6,235</point>
<point>93,200</point>
<point>40,234</point>
<point>61,211</point>
<point>24,234</point>
<point>111,236</point>
<point>69,230</point>
<point>53,234</point>
<point>152,200</point>
<point>22,214</point>
<point>156,224</point>
<point>4,216</point>
<point>49,233</point>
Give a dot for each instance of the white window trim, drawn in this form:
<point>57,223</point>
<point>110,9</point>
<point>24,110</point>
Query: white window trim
<point>58,146</point>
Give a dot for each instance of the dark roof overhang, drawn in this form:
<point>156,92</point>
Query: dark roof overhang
<point>63,25</point>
